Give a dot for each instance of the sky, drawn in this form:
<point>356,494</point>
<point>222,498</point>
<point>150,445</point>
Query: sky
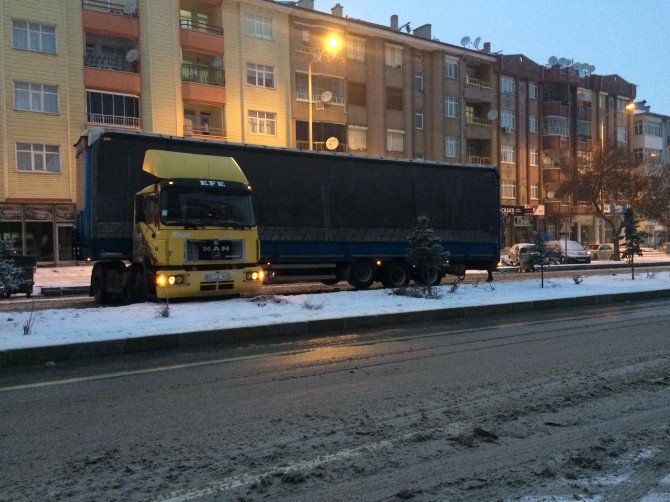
<point>624,37</point>
<point>66,326</point>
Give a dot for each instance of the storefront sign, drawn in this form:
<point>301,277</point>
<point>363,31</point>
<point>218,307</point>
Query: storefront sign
<point>535,210</point>
<point>65,212</point>
<point>515,210</point>
<point>40,212</point>
<point>10,212</point>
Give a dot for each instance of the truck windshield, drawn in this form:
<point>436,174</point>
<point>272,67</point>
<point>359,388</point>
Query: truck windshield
<point>200,207</point>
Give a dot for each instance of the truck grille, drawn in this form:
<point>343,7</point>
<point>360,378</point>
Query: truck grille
<point>214,250</point>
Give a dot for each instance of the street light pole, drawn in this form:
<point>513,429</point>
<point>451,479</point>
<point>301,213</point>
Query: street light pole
<point>309,104</point>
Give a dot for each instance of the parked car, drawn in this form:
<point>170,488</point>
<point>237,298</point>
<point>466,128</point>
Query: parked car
<point>528,257</point>
<point>601,251</point>
<point>570,251</point>
<point>514,252</point>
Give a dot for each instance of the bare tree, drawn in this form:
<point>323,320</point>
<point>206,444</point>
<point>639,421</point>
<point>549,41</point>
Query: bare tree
<point>611,175</point>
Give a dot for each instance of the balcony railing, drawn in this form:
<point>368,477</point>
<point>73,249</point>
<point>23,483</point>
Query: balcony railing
<point>212,132</point>
<point>194,24</point>
<point>476,159</point>
<point>556,131</point>
<point>202,75</point>
<point>479,83</point>
<point>111,7</point>
<point>113,120</point>
<point>478,121</point>
<point>106,62</point>
<point>320,146</point>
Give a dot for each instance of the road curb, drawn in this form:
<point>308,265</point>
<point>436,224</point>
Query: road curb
<point>37,355</point>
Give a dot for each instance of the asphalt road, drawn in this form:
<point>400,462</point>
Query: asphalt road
<point>567,404</point>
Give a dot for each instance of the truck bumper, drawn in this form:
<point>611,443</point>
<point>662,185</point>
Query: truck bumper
<point>208,283</point>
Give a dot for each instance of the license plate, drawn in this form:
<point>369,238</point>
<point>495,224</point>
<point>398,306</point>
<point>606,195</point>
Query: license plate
<point>221,276</point>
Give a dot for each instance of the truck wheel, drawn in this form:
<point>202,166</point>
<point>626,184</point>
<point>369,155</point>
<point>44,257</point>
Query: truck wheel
<point>431,277</point>
<point>98,286</point>
<point>396,275</point>
<point>361,274</point>
<point>137,285</point>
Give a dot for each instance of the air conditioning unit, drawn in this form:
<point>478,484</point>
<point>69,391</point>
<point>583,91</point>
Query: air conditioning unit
<point>320,105</point>
<point>507,130</point>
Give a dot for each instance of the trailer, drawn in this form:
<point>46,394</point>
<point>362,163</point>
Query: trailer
<point>320,216</point>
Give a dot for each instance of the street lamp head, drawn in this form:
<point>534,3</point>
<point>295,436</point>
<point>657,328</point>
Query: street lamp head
<point>631,106</point>
<point>333,44</point>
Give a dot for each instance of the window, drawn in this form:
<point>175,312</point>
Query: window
<point>622,134</point>
<point>418,80</point>
<point>264,123</point>
<point>418,119</point>
<point>508,119</point>
<point>356,49</point>
<point>38,158</point>
<point>395,140</point>
<point>105,108</point>
<point>356,93</point>
<point>508,154</point>
<point>534,190</point>
<point>393,98</point>
<point>507,84</point>
<point>508,189</point>
<point>602,100</point>
<point>584,95</point>
<point>647,128</point>
<point>451,147</point>
<point>358,138</point>
<point>556,126</point>
<point>450,67</point>
<point>621,104</point>
<point>34,37</point>
<point>261,75</point>
<point>533,125</point>
<point>584,128</point>
<point>533,92</point>
<point>451,107</point>
<point>36,97</point>
<point>193,21</point>
<point>393,56</point>
<point>258,25</point>
<point>533,157</point>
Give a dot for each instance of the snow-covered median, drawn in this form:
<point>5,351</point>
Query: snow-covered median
<point>67,326</point>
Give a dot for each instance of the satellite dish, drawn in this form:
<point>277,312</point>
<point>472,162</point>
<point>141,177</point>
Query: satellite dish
<point>132,55</point>
<point>577,66</point>
<point>550,195</point>
<point>332,143</point>
<point>553,60</point>
<point>326,96</point>
<point>217,62</point>
<point>465,41</point>
<point>592,68</point>
<point>564,62</point>
<point>492,115</point>
<point>475,44</point>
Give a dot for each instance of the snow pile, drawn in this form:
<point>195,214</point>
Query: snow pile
<point>67,326</point>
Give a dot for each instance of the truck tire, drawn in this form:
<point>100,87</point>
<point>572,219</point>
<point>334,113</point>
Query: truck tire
<point>98,285</point>
<point>137,284</point>
<point>431,277</point>
<point>361,274</point>
<point>396,275</point>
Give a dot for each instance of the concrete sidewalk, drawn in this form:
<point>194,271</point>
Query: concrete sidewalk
<point>39,355</point>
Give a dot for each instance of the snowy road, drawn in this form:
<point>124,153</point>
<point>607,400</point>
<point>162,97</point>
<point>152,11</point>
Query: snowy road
<point>564,405</point>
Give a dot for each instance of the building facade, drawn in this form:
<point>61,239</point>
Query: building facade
<point>240,71</point>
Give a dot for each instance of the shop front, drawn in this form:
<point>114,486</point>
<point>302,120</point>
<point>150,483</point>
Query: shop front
<point>45,231</point>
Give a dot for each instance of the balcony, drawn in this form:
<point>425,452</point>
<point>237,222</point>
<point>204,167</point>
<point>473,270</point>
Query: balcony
<point>200,37</point>
<point>192,131</point>
<point>477,90</point>
<point>206,75</point>
<point>113,120</point>
<point>112,80</point>
<point>556,108</point>
<point>320,146</point>
<point>105,18</point>
<point>477,128</point>
<point>551,174</point>
<point>555,142</point>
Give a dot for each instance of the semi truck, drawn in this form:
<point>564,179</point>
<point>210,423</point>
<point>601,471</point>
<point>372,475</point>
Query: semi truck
<point>319,216</point>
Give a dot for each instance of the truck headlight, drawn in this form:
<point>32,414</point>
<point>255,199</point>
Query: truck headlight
<point>163,280</point>
<point>258,275</point>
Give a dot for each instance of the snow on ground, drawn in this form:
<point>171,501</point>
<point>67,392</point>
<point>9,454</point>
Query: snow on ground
<point>67,326</point>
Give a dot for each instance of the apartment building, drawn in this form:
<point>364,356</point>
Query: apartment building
<point>549,113</point>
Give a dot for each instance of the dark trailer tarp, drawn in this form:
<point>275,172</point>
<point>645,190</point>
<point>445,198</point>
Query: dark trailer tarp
<point>309,205</point>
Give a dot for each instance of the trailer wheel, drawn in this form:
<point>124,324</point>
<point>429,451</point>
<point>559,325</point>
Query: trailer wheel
<point>361,274</point>
<point>98,285</point>
<point>431,277</point>
<point>396,275</point>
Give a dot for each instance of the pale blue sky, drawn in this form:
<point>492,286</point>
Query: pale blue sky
<point>628,37</point>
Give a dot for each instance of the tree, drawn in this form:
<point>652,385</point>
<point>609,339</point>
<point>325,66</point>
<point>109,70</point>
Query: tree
<point>542,253</point>
<point>611,175</point>
<point>10,274</point>
<point>632,239</point>
<point>426,253</point>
